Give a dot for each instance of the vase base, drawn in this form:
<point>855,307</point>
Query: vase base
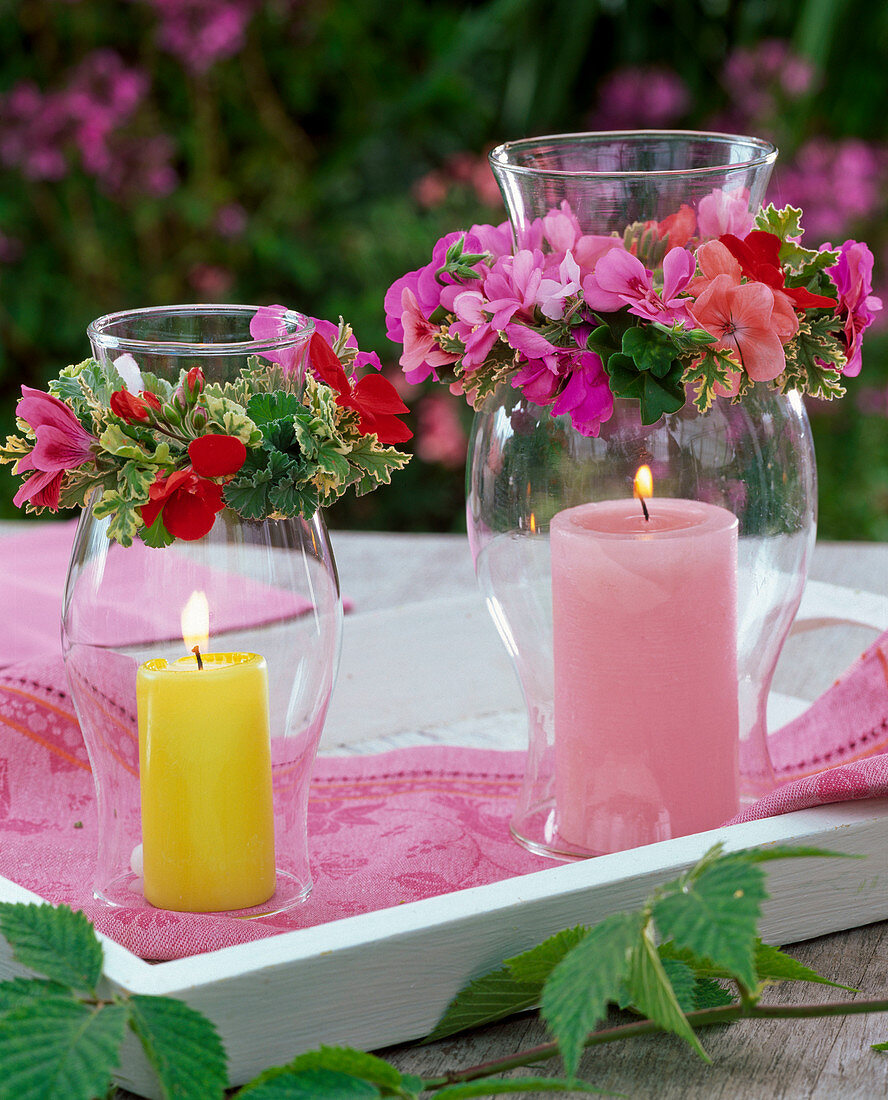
<point>125,892</point>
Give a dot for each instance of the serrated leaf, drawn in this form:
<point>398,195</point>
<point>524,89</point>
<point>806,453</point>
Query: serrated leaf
<point>681,978</point>
<point>709,994</point>
<point>266,408</point>
<point>538,963</point>
<point>653,996</point>
<point>498,1086</point>
<point>879,1046</point>
<point>135,481</point>
<point>58,1047</point>
<point>117,442</point>
<point>55,942</point>
<point>310,1084</point>
<point>20,992</point>
<point>715,913</point>
<point>650,348</point>
<point>156,536</point>
<point>125,517</point>
<point>772,965</point>
<point>771,852</point>
<point>355,1063</point>
<point>182,1046</point>
<point>577,993</point>
<point>484,1000</point>
<point>248,494</point>
<point>784,223</point>
<point>287,499</point>
<point>715,367</point>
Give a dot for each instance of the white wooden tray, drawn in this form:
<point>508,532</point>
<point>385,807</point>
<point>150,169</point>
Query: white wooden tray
<point>385,977</point>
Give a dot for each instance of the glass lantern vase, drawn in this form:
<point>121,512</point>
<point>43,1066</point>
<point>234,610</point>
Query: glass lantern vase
<point>596,779</point>
<point>202,773</point>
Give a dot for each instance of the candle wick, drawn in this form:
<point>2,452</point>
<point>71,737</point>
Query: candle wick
<point>196,652</point>
<point>644,509</point>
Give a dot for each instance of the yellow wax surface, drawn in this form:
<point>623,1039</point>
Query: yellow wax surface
<point>205,776</point>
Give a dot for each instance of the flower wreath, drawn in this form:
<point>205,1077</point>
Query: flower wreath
<point>706,302</point>
<point>290,435</point>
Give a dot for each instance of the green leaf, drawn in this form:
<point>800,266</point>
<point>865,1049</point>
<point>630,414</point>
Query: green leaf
<point>484,1000</point>
<point>784,223</point>
<point>156,536</point>
<point>772,965</point>
<point>58,1047</point>
<point>650,348</point>
<point>56,942</point>
<point>266,408</point>
<point>125,516</point>
<point>714,911</point>
<point>182,1046</point>
<point>654,997</point>
<point>709,994</point>
<point>499,1086</point>
<point>288,499</point>
<point>787,225</point>
<point>879,1046</point>
<point>538,963</point>
<point>681,978</point>
<point>311,1084</point>
<point>20,992</point>
<point>577,993</point>
<point>715,367</point>
<point>247,494</point>
<point>656,396</point>
<point>346,1060</point>
<point>135,481</point>
<point>788,851</point>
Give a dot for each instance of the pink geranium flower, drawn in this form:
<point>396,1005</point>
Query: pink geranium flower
<point>724,212</point>
<point>852,276</point>
<point>587,396</point>
<point>622,279</point>
<point>422,352</point>
<point>62,443</point>
<point>742,319</point>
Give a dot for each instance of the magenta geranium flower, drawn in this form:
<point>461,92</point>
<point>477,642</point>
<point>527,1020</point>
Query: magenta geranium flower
<point>621,279</point>
<point>853,275</point>
<point>62,443</point>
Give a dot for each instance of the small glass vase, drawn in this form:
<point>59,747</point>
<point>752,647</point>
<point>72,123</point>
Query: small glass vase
<point>201,784</point>
<point>619,788</point>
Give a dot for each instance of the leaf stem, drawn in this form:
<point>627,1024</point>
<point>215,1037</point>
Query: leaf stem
<point>705,1017</point>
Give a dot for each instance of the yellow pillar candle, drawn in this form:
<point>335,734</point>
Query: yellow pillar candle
<point>205,777</point>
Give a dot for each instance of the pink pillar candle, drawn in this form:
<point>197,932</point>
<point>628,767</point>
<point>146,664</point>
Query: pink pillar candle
<point>645,626</point>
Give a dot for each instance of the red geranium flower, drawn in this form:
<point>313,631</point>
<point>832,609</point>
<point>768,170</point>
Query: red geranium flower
<point>131,408</point>
<point>759,256</point>
<point>216,455</point>
<point>372,397</point>
<point>189,504</point>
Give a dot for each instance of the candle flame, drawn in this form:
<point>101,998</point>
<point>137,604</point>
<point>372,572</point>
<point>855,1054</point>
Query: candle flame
<point>533,524</point>
<point>644,483</point>
<point>196,622</point>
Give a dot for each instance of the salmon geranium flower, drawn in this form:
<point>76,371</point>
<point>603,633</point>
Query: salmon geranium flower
<point>744,321</point>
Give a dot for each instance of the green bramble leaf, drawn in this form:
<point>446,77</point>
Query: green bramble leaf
<point>681,977</point>
<point>55,942</point>
<point>538,963</point>
<point>656,396</point>
<point>709,994</point>
<point>59,1047</point>
<point>21,992</point>
<point>485,1000</point>
<point>772,965</point>
<point>501,1086</point>
<point>578,990</point>
<point>311,1084</point>
<point>341,1060</point>
<point>879,1046</point>
<point>652,994</point>
<point>182,1046</point>
<point>713,911</point>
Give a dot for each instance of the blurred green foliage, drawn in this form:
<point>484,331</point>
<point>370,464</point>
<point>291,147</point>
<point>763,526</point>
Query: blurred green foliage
<point>310,151</point>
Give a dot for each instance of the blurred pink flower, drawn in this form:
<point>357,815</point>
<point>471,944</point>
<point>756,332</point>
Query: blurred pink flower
<point>440,437</point>
<point>201,32</point>
<point>640,95</point>
<point>836,183</point>
<point>34,129</point>
<point>231,220</point>
<point>724,212</point>
<point>211,281</point>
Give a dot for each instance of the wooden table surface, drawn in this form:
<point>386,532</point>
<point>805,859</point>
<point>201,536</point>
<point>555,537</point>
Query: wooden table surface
<point>756,1060</point>
<point>762,1060</point>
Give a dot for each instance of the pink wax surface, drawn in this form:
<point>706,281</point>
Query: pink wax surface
<point>645,627</point>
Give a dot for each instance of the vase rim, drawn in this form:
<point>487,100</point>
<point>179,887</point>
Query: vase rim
<point>765,153</point>
<point>101,331</point>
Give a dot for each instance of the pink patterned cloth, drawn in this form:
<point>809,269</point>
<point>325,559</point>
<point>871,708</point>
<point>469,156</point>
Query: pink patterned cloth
<point>383,829</point>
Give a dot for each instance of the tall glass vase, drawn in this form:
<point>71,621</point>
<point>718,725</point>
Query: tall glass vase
<point>609,790</point>
<point>201,775</point>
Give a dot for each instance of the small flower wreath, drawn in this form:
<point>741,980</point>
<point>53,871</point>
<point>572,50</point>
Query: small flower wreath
<point>160,461</point>
<point>706,302</point>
